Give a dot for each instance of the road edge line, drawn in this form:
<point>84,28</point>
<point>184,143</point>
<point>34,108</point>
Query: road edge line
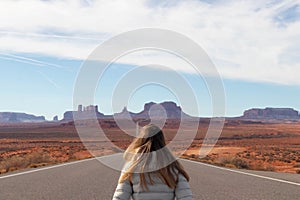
<point>28,171</point>
<point>244,173</point>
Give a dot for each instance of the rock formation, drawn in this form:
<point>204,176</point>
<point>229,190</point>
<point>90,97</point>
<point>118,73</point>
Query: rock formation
<point>124,113</point>
<point>87,112</point>
<point>160,110</point>
<point>171,110</point>
<point>271,113</point>
<point>19,117</point>
<point>166,109</point>
<point>55,118</point>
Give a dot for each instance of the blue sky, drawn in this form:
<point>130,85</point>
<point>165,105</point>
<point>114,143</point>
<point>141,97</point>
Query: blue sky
<point>254,45</point>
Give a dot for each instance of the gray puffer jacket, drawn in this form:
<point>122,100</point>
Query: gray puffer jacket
<point>159,190</point>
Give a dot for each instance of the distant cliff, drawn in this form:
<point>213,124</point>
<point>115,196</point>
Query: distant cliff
<point>271,113</point>
<point>87,112</point>
<point>170,109</point>
<point>173,111</point>
<point>19,117</point>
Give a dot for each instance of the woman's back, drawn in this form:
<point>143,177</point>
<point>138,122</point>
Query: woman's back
<point>157,190</point>
<point>151,171</point>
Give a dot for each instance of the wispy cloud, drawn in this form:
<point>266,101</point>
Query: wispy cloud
<point>248,40</point>
<point>19,60</point>
<point>52,82</point>
<point>28,60</point>
<point>47,36</point>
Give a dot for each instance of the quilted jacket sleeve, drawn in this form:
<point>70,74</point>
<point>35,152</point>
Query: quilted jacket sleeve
<point>123,191</point>
<point>183,190</point>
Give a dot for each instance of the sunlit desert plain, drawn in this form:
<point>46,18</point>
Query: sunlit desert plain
<point>268,145</point>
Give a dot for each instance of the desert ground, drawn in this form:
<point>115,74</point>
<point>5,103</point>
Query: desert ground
<point>271,146</point>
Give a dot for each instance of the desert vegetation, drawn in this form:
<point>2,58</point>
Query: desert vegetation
<point>257,146</point>
<point>242,144</point>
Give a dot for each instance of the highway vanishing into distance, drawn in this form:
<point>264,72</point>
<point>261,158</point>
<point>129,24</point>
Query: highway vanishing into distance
<point>90,179</point>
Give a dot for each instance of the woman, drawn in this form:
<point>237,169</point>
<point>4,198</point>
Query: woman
<point>151,171</point>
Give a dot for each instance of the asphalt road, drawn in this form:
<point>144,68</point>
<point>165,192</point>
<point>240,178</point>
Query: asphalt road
<point>89,179</point>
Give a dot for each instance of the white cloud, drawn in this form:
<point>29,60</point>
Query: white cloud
<point>248,40</point>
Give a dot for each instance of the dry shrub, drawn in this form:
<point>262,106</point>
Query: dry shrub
<point>260,166</point>
<point>15,162</point>
<point>230,166</point>
<point>257,166</point>
<point>269,168</point>
<point>38,157</point>
<point>237,162</point>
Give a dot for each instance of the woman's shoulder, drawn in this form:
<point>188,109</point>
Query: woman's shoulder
<point>183,190</point>
<point>181,178</point>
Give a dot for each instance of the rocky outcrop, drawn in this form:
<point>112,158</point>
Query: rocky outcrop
<point>55,118</point>
<point>271,113</point>
<point>124,114</point>
<point>156,110</point>
<point>167,109</point>
<point>88,112</point>
<point>19,117</point>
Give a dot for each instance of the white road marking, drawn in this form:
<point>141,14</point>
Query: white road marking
<point>51,167</point>
<point>200,163</point>
<point>245,173</point>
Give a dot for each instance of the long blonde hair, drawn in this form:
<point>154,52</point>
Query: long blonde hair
<point>140,153</point>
